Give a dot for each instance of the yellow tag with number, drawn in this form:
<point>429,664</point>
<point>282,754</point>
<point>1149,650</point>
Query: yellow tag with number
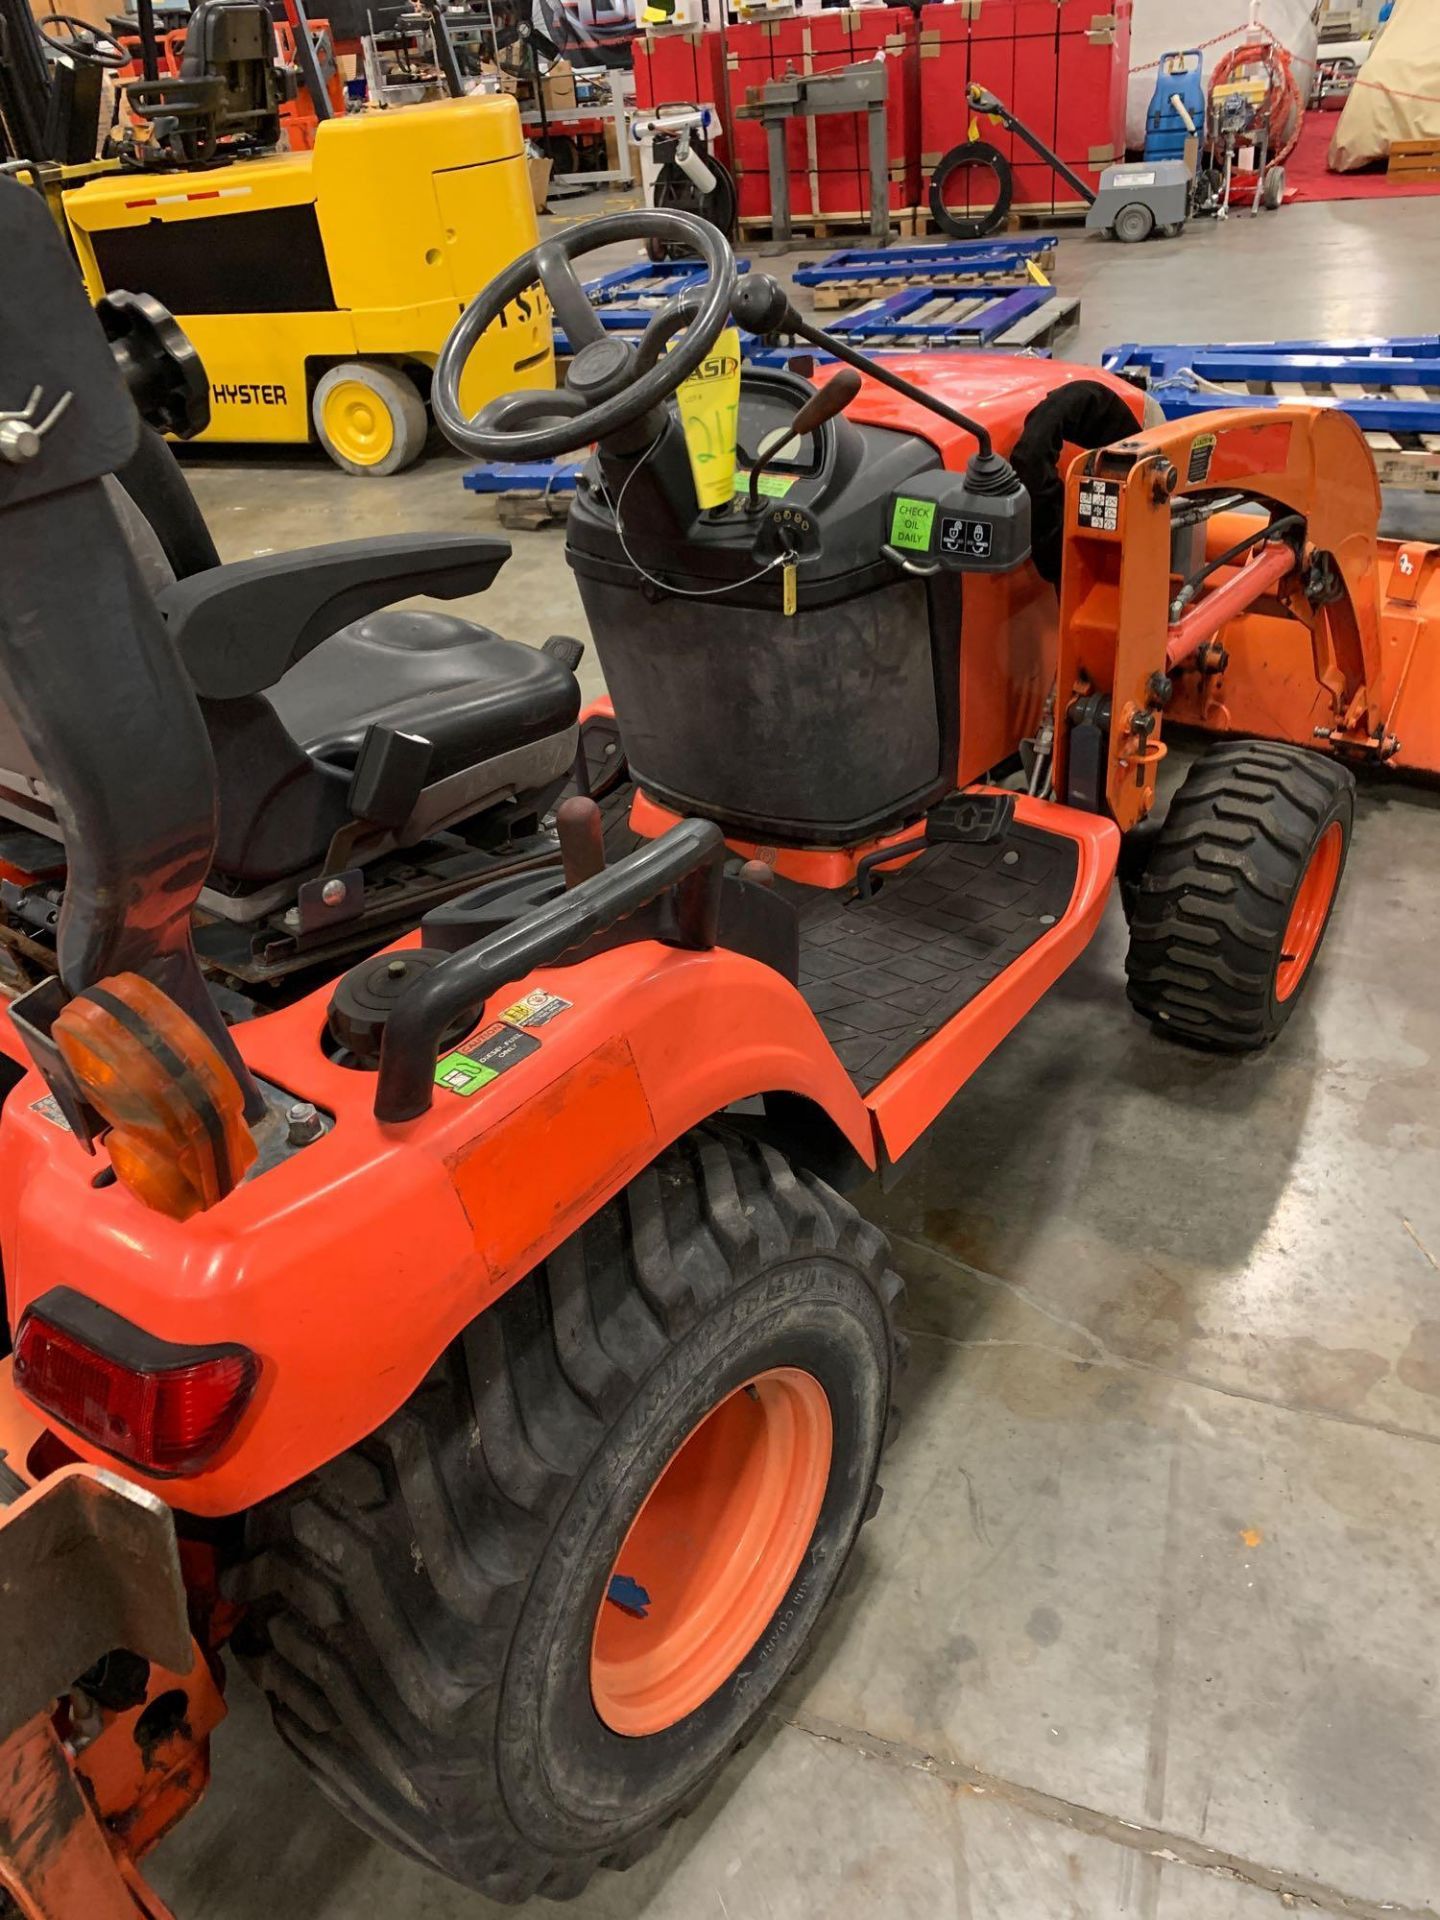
<point>789,587</point>
<point>709,403</point>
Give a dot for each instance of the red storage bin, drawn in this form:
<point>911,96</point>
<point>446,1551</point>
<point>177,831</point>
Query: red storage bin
<point>1094,75</point>
<point>675,67</point>
<point>1061,66</point>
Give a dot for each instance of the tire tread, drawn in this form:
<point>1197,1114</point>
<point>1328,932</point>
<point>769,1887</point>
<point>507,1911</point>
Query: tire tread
<point>1209,913</point>
<point>380,1624</point>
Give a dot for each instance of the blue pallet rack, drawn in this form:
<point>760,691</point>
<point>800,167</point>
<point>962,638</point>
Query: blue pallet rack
<point>631,322</point>
<point>951,314</point>
<point>1389,387</point>
<point>947,315</point>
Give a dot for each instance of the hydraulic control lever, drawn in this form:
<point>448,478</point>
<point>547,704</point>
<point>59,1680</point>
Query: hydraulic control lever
<point>823,405</point>
<point>761,305</point>
<point>977,521</point>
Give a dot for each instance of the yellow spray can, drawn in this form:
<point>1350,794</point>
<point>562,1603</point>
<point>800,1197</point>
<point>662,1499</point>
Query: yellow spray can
<point>709,404</point>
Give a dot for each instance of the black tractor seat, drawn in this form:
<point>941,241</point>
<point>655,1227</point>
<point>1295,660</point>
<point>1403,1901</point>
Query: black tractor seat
<point>472,695</point>
<point>301,675</point>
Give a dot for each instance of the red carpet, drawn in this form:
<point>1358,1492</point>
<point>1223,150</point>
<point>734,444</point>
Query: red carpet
<point>1307,177</point>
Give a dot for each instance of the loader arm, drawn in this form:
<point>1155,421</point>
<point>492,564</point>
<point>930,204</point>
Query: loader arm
<point>1310,466</point>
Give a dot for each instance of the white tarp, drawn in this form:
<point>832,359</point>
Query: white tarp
<point>1397,94</point>
<point>1167,26</point>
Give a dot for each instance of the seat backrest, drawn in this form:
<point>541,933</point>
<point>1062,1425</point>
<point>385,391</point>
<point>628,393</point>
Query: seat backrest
<point>226,33</point>
<point>124,753</point>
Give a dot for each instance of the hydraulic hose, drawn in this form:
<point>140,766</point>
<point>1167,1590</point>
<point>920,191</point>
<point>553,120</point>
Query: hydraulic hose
<point>1267,530</point>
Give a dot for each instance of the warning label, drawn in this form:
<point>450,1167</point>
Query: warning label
<point>493,1051</point>
<point>1202,452</point>
<point>1099,505</point>
<point>536,1009</point>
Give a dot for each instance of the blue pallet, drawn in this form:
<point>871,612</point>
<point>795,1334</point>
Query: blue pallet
<point>524,476</point>
<point>650,280</point>
<point>946,260</point>
<point>1180,378</point>
<point>891,320</point>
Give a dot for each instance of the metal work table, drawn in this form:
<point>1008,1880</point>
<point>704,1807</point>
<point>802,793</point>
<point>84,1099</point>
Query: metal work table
<point>863,88</point>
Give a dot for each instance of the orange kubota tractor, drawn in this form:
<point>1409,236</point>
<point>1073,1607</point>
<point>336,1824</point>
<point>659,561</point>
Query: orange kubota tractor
<point>423,1229</point>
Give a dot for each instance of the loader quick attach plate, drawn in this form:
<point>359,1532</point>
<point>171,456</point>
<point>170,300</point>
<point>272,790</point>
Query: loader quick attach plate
<point>882,975</point>
<point>88,1563</point>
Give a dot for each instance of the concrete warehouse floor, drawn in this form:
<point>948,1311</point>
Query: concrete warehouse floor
<point>1146,1625</point>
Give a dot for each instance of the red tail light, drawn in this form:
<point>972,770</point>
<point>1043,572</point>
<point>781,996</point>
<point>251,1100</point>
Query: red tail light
<point>160,1407</point>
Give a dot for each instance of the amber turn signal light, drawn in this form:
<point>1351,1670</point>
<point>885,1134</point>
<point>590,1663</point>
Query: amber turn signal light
<point>178,1137</point>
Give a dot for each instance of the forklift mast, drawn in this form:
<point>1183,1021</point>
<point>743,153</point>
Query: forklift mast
<point>25,86</point>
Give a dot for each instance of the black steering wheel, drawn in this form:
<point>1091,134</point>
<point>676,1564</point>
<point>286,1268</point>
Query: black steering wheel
<point>610,384</point>
<point>92,46</point>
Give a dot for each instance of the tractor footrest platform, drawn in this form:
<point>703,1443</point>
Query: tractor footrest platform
<point>885,974</point>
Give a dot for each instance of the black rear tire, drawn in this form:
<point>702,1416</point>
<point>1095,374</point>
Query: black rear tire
<point>422,1610</point>
<point>1209,917</point>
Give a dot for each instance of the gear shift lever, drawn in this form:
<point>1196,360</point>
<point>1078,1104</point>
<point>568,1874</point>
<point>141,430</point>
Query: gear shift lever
<point>823,405</point>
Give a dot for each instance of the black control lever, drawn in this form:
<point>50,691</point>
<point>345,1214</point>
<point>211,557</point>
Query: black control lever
<point>761,305</point>
<point>823,405</point>
<point>985,526</point>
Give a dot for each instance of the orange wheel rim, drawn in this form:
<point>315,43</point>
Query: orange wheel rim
<point>1309,911</point>
<point>712,1552</point>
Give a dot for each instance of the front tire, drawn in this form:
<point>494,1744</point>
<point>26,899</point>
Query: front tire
<point>473,1627</point>
<point>1134,223</point>
<point>369,418</point>
<point>1236,893</point>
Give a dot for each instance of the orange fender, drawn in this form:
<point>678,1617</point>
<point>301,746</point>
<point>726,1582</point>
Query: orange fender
<point>348,1268</point>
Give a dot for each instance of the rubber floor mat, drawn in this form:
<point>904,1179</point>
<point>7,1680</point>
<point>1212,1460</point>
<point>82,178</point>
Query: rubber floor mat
<point>882,975</point>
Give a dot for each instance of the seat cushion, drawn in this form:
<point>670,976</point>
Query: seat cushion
<point>472,695</point>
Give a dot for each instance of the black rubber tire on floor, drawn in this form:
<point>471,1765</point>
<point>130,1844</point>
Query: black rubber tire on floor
<point>1209,914</point>
<point>421,1610</point>
<point>676,190</point>
<point>1134,222</point>
<point>969,155</point>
